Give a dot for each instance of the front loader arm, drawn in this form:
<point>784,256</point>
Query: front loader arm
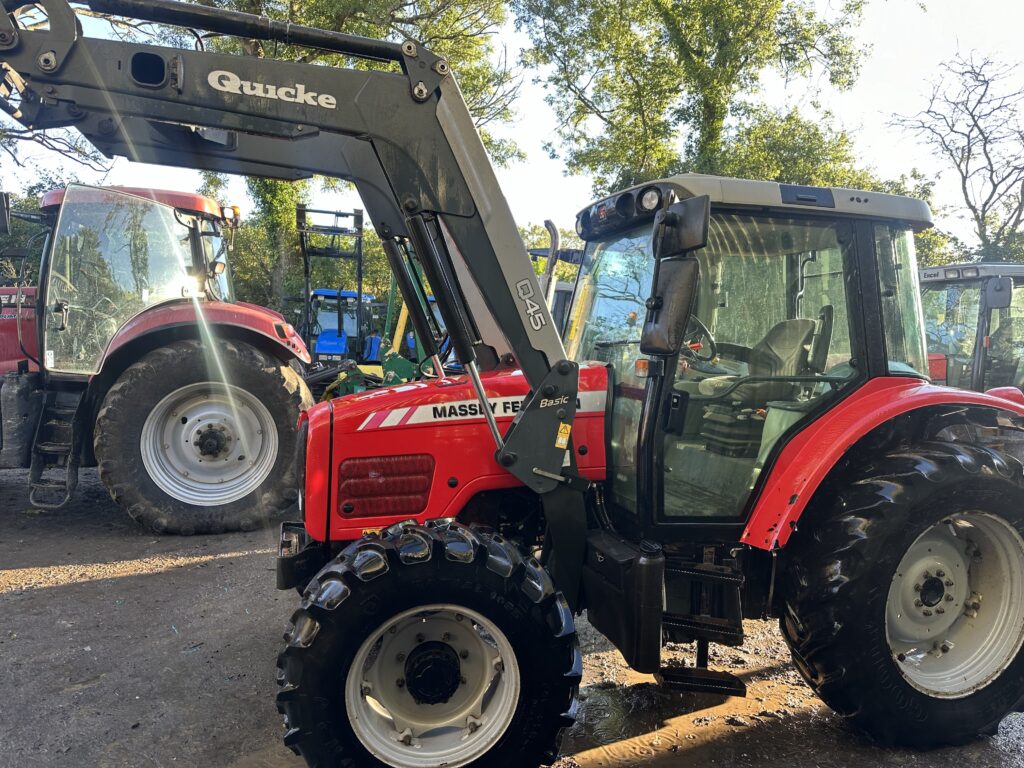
<point>405,138</point>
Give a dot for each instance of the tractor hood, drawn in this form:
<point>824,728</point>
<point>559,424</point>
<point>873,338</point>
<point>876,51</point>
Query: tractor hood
<point>423,450</point>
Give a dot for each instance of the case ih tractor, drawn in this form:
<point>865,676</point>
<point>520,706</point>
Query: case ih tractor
<point>974,321</point>
<point>132,354</point>
<point>739,423</point>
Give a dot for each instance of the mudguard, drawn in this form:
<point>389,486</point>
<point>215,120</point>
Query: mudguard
<point>268,324</point>
<point>806,460</point>
<point>434,434</point>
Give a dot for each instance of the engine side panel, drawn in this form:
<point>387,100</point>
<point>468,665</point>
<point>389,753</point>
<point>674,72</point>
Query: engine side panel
<point>806,459</point>
<point>441,420</point>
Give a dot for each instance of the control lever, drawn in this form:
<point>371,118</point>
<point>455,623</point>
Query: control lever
<point>65,310</point>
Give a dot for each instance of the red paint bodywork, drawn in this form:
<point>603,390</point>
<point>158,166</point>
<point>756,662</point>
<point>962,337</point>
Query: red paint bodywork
<point>808,457</point>
<point>383,422</point>
<point>10,349</point>
<point>265,322</point>
<point>186,201</point>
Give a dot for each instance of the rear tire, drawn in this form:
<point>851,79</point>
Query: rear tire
<point>874,629</point>
<point>184,453</point>
<point>448,576</point>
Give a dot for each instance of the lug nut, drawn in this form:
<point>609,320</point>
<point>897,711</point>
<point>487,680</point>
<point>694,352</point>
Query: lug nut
<point>462,681</point>
<point>927,612</point>
<point>400,657</point>
<point>940,609</point>
<point>945,648</point>
<point>949,598</point>
<point>446,636</point>
<point>463,655</point>
<point>918,603</point>
<point>917,587</point>
<point>940,574</point>
<point>420,638</point>
<point>949,582</point>
<point>400,682</point>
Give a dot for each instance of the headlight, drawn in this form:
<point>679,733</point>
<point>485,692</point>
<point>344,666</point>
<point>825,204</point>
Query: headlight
<point>650,199</point>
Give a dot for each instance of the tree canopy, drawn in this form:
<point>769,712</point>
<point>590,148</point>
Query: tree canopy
<point>648,88</point>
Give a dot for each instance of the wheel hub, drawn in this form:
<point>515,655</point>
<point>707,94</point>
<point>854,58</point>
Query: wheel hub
<point>932,591</point>
<point>432,672</point>
<point>209,444</point>
<point>212,441</point>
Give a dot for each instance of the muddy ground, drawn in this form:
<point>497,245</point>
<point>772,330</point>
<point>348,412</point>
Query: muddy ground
<point>121,648</point>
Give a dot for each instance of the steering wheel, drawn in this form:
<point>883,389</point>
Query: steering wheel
<point>698,343</point>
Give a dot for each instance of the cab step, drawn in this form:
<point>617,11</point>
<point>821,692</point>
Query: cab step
<point>698,680</point>
<point>53,475</point>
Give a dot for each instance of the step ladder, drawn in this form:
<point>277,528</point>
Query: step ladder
<point>718,618</point>
<point>53,474</point>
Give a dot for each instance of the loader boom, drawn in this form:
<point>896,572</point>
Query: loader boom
<point>404,138</point>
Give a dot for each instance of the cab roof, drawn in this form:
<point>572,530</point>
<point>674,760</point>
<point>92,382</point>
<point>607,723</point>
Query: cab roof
<point>724,190</point>
<point>951,273</point>
<point>186,201</point>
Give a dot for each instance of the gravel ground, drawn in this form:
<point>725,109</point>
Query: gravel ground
<point>121,648</point>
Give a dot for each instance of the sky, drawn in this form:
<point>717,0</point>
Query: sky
<point>905,42</point>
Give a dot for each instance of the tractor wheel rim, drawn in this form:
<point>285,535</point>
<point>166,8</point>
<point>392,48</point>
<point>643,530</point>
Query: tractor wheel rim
<point>954,617</point>
<point>434,685</point>
<point>209,444</point>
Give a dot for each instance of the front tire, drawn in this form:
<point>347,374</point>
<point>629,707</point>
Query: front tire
<point>193,440</point>
<point>436,645</point>
<point>902,597</point>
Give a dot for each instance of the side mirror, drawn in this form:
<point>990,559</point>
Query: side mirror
<point>998,292</point>
<point>678,231</point>
<point>5,213</point>
<point>217,268</point>
<point>682,227</point>
<point>669,309</point>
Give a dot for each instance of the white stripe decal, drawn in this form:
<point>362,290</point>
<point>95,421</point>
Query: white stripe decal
<point>392,419</point>
<point>458,410</point>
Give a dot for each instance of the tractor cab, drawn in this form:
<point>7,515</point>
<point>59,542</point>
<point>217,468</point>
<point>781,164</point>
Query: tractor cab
<point>113,253</point>
<point>974,321</point>
<point>799,301</point>
<point>336,334</point>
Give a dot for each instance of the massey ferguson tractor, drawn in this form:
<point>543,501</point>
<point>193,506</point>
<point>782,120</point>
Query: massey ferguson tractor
<point>738,423</point>
<point>132,354</point>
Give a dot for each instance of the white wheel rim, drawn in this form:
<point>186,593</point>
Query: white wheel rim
<point>382,706</point>
<point>209,444</point>
<point>954,616</point>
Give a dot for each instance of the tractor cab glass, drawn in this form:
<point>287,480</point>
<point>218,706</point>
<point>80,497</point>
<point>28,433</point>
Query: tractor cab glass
<point>112,256</point>
<point>953,324</point>
<point>216,249</point>
<point>768,346</point>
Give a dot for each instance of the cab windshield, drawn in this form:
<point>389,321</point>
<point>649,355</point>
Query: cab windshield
<point>112,256</point>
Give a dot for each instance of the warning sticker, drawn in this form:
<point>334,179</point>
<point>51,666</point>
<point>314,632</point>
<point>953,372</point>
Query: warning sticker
<point>562,441</point>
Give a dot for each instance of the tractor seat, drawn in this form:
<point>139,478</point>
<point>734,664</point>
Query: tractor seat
<point>784,351</point>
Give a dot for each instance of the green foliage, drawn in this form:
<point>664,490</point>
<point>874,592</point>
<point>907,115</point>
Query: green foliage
<point>628,80</point>
<point>787,147</point>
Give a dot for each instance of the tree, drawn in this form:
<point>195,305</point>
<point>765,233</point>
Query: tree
<point>788,148</point>
<point>627,80</point>
<point>973,122</point>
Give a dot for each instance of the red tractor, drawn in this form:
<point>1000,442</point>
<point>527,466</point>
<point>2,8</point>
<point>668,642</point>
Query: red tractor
<point>738,423</point>
<point>132,354</point>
